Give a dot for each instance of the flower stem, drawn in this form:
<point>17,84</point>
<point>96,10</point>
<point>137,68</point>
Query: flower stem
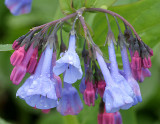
<point>117,15</point>
<point>54,22</point>
<point>81,18</point>
<point>83,22</point>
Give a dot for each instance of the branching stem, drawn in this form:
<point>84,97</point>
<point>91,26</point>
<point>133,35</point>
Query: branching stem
<point>117,15</point>
<point>54,22</point>
<point>83,22</point>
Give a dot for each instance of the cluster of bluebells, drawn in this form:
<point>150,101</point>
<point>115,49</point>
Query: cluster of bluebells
<point>44,89</point>
<point>18,7</point>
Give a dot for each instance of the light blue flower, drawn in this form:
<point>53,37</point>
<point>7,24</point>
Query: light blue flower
<point>114,97</point>
<point>117,77</point>
<point>129,77</point>
<point>70,102</point>
<point>18,7</point>
<point>39,89</point>
<point>69,63</point>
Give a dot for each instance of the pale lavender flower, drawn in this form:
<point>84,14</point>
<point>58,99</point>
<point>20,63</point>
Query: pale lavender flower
<point>70,102</point>
<point>117,77</point>
<point>114,97</point>
<point>39,89</point>
<point>129,77</point>
<point>69,63</point>
<point>18,7</point>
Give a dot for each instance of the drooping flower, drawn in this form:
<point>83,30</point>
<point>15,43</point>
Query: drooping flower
<point>117,77</point>
<point>69,63</point>
<point>70,102</point>
<point>18,7</point>
<point>39,89</point>
<point>129,77</point>
<point>114,97</point>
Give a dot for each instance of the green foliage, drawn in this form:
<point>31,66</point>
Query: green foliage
<point>142,14</point>
<point>104,3</point>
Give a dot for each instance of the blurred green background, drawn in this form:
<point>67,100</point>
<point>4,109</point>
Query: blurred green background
<point>144,15</point>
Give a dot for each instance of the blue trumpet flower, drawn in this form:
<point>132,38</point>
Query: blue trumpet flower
<point>69,63</point>
<point>117,77</point>
<point>39,89</point>
<point>18,7</point>
<point>70,102</point>
<point>114,97</point>
<point>129,77</point>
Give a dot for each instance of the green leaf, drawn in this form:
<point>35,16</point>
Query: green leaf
<point>66,6</point>
<point>105,4</point>
<point>129,116</point>
<point>123,2</point>
<point>70,119</point>
<point>52,117</point>
<point>89,3</point>
<point>136,14</point>
<point>6,47</point>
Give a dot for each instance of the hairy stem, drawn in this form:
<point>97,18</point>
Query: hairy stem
<point>81,18</point>
<point>83,22</point>
<point>54,22</point>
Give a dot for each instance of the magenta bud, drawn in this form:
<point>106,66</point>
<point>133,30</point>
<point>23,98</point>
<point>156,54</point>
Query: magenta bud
<point>151,52</point>
<point>33,62</point>
<point>89,94</point>
<point>19,70</point>
<point>15,45</point>
<point>106,118</point>
<point>109,118</point>
<point>18,55</point>
<point>136,61</point>
<point>147,62</point>
<point>101,87</point>
<point>17,74</point>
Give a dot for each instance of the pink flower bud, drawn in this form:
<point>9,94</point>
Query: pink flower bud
<point>33,62</point>
<point>15,45</point>
<point>101,87</point>
<point>18,55</point>
<point>147,62</point>
<point>136,61</point>
<point>89,94</point>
